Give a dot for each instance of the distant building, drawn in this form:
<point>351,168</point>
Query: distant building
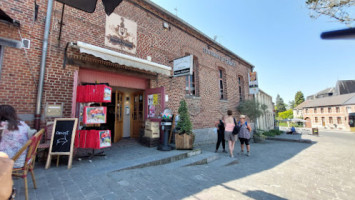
<point>345,87</point>
<point>329,112</point>
<point>266,121</point>
<point>324,93</point>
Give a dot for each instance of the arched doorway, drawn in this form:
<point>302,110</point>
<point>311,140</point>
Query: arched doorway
<point>308,122</point>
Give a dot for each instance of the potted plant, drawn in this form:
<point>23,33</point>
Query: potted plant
<point>184,138</point>
<point>258,136</point>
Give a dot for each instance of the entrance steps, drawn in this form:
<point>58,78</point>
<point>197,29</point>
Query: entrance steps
<point>199,159</point>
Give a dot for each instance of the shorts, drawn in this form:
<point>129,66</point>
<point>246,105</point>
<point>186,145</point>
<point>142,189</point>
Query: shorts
<point>244,140</point>
<point>228,135</point>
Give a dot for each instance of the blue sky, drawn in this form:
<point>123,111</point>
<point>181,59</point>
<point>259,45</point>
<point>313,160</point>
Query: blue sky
<point>278,37</point>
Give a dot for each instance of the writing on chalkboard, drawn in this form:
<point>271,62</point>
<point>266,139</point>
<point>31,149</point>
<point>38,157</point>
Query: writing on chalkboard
<point>62,139</point>
<point>62,135</point>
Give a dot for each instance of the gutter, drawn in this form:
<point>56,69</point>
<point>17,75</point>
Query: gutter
<point>43,65</point>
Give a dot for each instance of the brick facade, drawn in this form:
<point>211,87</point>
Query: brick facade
<point>19,77</point>
<point>316,115</point>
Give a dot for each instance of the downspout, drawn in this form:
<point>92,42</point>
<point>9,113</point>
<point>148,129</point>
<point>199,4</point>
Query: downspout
<point>43,65</point>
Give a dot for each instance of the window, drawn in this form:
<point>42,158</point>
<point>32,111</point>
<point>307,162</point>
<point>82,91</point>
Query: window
<point>322,110</point>
<point>338,110</point>
<point>339,120</point>
<point>330,120</point>
<point>348,108</point>
<point>222,84</point>
<point>241,88</point>
<point>1,53</point>
<point>316,119</point>
<point>306,110</point>
<point>329,109</point>
<point>315,110</point>
<point>191,80</point>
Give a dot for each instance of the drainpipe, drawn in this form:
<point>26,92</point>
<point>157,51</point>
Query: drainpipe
<point>43,65</point>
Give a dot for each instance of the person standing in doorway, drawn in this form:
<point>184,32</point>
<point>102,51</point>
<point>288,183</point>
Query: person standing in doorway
<point>228,132</point>
<point>244,135</point>
<point>220,135</point>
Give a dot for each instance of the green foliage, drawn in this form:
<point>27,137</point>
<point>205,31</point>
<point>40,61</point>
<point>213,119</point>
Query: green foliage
<point>291,104</point>
<point>272,133</point>
<point>299,98</point>
<point>253,109</point>
<point>338,10</point>
<point>288,114</point>
<point>184,125</point>
<point>280,105</point>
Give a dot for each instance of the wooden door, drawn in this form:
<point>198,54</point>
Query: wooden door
<point>118,116</point>
<point>137,116</point>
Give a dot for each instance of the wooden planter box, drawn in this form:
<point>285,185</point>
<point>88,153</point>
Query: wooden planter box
<point>184,141</point>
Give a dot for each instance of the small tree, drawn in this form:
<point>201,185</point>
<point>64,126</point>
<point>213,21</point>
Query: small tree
<point>252,109</point>
<point>184,125</point>
<point>288,114</point>
<point>299,98</point>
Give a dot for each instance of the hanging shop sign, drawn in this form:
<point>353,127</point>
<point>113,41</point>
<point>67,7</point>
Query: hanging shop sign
<point>121,33</point>
<point>226,60</point>
<point>183,66</point>
<point>253,83</point>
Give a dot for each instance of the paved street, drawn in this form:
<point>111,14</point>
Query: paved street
<point>275,170</point>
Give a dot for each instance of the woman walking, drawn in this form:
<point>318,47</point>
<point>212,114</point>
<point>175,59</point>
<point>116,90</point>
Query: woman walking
<point>228,135</point>
<point>244,135</point>
<point>220,136</point>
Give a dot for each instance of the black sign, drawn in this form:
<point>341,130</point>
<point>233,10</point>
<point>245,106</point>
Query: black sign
<point>63,131</point>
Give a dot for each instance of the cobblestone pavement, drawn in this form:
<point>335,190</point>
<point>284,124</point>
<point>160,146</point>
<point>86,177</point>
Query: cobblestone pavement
<point>275,170</point>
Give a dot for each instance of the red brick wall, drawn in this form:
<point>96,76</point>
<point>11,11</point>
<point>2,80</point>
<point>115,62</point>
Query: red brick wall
<point>17,86</point>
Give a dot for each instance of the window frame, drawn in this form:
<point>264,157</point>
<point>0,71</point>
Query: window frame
<point>1,58</point>
<point>191,80</point>
<point>329,109</point>
<point>339,120</point>
<point>222,86</point>
<point>330,120</point>
<point>315,119</point>
<point>337,109</point>
<point>240,88</point>
<point>321,110</point>
<point>314,110</point>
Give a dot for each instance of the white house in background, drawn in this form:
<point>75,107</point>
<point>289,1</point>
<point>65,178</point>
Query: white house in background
<point>298,110</point>
<point>266,121</point>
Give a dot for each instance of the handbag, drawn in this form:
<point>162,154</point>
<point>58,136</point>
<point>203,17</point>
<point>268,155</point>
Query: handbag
<point>236,128</point>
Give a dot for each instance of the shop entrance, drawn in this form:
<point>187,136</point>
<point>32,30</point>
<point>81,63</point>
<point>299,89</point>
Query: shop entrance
<point>125,113</point>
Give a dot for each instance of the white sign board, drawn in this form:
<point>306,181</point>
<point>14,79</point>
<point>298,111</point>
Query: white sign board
<point>121,33</point>
<point>253,83</point>
<point>183,66</point>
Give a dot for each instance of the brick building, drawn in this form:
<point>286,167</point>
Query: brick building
<point>333,112</point>
<point>132,50</point>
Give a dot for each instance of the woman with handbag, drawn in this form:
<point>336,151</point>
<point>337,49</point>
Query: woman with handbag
<point>228,132</point>
<point>244,135</point>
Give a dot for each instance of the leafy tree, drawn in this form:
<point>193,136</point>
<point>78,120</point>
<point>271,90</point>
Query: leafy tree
<point>280,105</point>
<point>291,104</point>
<point>288,114</point>
<point>252,108</point>
<point>184,125</point>
<point>336,9</point>
<point>299,98</point>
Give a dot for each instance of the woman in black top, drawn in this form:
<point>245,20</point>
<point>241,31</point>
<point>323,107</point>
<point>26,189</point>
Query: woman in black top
<point>220,134</point>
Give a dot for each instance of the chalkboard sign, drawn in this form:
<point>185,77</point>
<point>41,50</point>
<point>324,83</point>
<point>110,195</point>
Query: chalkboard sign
<point>63,132</point>
<point>62,139</point>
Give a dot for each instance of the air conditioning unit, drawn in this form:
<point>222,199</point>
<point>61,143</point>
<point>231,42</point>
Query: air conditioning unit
<point>26,43</point>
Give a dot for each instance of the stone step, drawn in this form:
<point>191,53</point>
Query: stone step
<point>201,159</point>
<point>154,160</point>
